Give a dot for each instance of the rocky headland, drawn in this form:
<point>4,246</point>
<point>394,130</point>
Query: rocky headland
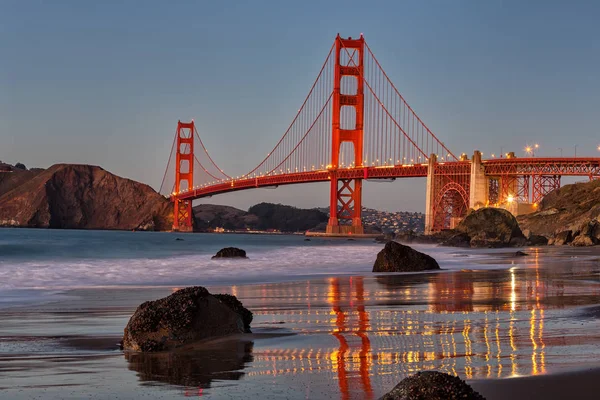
<point>76,196</point>
<point>569,215</point>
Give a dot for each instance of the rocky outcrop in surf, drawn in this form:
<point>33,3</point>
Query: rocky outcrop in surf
<point>396,257</point>
<point>186,316</point>
<point>230,252</point>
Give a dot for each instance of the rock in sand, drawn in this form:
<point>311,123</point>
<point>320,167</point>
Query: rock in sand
<point>184,317</point>
<point>432,385</point>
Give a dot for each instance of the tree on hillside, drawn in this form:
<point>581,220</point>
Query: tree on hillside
<point>20,166</point>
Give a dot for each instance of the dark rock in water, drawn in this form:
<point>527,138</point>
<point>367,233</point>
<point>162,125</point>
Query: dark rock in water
<point>177,239</point>
<point>491,227</point>
<point>521,254</point>
<point>457,240</point>
<point>396,257</point>
<point>562,238</point>
<point>432,385</point>
<point>307,240</point>
<point>351,240</point>
<point>184,317</point>
<point>230,252</point>
<point>537,240</point>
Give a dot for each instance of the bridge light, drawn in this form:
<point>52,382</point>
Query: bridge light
<point>510,198</point>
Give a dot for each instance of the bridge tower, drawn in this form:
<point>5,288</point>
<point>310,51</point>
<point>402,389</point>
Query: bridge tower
<point>345,201</point>
<point>184,173</point>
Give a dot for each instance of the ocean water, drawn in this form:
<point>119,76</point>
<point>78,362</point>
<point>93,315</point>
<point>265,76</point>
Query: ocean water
<point>36,264</point>
<point>324,325</point>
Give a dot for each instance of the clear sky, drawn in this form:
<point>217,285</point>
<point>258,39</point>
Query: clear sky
<point>104,82</point>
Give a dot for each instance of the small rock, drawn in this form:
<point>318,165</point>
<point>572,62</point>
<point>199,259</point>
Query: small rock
<point>396,257</point>
<point>230,252</point>
<point>307,240</point>
<point>562,238</point>
<point>582,240</point>
<point>432,385</point>
<point>537,240</point>
<point>521,254</point>
<point>178,239</point>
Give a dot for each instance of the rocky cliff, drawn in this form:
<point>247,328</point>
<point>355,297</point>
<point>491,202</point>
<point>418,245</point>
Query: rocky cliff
<point>565,213</point>
<point>81,197</point>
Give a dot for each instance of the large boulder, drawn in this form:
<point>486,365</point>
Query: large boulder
<point>184,317</point>
<point>432,385</point>
<point>396,257</point>
<point>491,227</point>
<point>230,252</point>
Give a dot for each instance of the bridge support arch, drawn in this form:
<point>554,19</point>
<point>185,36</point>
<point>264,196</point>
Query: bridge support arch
<point>184,176</point>
<point>346,194</point>
<point>448,194</point>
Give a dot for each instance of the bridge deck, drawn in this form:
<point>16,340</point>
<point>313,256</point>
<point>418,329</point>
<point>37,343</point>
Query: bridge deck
<point>493,167</point>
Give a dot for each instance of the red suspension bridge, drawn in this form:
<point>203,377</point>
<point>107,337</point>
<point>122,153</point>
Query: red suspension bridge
<point>354,125</point>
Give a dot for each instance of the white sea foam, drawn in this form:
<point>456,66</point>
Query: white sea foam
<point>263,265</point>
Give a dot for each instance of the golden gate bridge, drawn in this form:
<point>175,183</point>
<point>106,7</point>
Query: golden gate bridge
<point>354,125</point>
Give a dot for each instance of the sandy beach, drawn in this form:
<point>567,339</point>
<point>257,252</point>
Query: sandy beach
<point>526,332</point>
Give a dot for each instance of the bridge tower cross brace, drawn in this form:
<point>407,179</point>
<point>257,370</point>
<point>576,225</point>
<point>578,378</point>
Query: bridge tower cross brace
<point>345,201</point>
<point>184,172</point>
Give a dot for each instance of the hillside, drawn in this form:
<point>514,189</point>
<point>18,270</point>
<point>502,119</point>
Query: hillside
<point>217,216</point>
<point>10,180</point>
<point>569,208</point>
<point>263,216</point>
<point>81,197</point>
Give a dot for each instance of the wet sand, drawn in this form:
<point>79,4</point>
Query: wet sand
<point>514,333</point>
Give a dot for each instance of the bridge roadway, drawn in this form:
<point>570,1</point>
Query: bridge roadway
<point>581,166</point>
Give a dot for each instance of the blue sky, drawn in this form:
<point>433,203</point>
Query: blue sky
<point>105,82</point>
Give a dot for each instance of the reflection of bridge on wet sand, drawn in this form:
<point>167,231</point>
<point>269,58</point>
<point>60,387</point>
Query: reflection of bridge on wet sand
<point>473,324</point>
<point>363,335</point>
